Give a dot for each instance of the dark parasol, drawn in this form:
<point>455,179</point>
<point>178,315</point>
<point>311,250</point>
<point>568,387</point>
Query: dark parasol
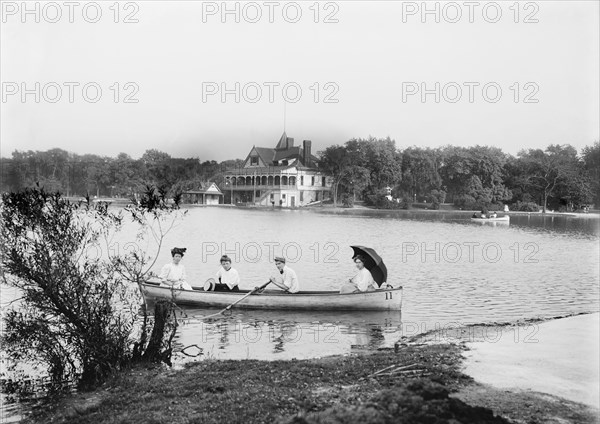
<point>373,263</point>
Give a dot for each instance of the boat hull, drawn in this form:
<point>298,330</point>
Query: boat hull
<point>384,299</point>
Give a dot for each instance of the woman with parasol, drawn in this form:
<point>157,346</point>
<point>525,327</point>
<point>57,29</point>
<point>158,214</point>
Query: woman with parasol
<point>362,281</point>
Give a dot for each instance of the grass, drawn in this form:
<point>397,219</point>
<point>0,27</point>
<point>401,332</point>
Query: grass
<point>328,390</point>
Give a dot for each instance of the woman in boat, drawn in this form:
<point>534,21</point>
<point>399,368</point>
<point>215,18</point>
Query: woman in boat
<point>361,282</point>
<point>227,277</point>
<point>173,274</point>
<point>287,279</point>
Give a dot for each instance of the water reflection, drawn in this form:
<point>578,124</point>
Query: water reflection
<point>273,335</point>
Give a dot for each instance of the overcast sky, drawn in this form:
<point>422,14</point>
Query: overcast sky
<point>366,62</point>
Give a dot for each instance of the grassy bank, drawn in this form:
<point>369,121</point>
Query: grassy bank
<point>413,383</point>
<point>420,383</point>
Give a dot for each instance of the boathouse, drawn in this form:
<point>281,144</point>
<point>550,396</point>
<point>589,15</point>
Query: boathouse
<point>284,176</point>
<point>207,194</point>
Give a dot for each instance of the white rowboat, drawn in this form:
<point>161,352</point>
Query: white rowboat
<point>504,218</point>
<point>382,299</point>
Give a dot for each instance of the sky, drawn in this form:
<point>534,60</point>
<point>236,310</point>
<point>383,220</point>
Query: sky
<point>212,79</point>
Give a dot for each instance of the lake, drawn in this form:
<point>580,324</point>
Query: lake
<point>454,272</point>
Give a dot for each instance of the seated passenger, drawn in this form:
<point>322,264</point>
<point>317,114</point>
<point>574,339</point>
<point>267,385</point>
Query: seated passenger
<point>287,279</point>
<point>361,282</point>
<point>173,274</point>
<point>227,277</point>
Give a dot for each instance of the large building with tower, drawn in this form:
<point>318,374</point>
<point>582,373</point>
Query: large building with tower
<point>286,176</point>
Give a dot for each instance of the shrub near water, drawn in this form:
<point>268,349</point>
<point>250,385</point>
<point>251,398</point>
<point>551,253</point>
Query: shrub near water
<point>77,315</point>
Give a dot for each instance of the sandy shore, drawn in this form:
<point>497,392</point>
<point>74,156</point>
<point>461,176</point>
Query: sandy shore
<point>559,357</point>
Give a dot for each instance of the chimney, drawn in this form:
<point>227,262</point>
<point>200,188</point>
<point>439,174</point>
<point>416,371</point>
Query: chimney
<point>289,143</point>
<point>306,153</point>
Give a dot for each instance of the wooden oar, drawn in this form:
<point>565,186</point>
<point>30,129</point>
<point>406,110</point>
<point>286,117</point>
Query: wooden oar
<point>238,301</point>
<point>245,296</point>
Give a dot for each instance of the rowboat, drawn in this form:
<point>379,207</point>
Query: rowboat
<point>381,299</point>
<point>504,218</point>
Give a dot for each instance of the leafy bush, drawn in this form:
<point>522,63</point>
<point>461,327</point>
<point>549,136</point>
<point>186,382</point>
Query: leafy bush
<point>437,196</point>
<point>526,207</point>
<point>379,200</point>
<point>78,315</point>
<point>466,202</point>
<point>347,200</point>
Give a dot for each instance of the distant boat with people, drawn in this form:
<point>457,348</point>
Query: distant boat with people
<point>504,218</point>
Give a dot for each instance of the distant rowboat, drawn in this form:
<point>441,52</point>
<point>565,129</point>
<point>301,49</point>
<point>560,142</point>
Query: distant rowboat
<point>504,218</point>
<point>382,299</point>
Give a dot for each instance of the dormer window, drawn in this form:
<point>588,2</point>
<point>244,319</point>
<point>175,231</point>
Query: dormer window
<point>253,160</point>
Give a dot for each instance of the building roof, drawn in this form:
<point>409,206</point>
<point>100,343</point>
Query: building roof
<point>283,151</point>
<point>266,154</point>
<point>282,142</point>
<point>205,188</point>
<point>291,153</point>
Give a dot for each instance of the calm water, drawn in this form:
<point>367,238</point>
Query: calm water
<point>453,272</point>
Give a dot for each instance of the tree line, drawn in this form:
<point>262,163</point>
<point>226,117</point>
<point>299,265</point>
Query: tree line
<point>94,175</point>
<point>374,170</point>
<point>557,177</point>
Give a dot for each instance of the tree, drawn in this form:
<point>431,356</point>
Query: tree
<point>590,156</point>
<point>420,172</point>
<point>335,161</point>
<point>383,162</point>
<point>77,316</point>
<point>362,165</point>
<point>461,164</point>
<point>128,176</point>
<point>548,169</point>
<point>157,164</point>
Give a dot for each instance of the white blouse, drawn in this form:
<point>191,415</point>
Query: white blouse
<point>231,277</point>
<point>364,280</point>
<point>172,273</point>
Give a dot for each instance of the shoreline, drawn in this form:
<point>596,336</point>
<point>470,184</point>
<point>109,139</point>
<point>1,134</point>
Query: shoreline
<point>357,385</point>
<point>595,214</point>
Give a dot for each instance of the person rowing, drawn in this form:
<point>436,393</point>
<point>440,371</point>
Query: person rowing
<point>287,279</point>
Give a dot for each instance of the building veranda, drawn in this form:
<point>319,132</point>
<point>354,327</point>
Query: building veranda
<point>285,176</point>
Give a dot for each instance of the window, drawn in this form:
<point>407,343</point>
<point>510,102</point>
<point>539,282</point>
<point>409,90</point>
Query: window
<point>272,196</point>
<point>302,196</point>
<point>302,180</point>
<point>313,180</point>
<point>323,182</point>
<point>253,160</point>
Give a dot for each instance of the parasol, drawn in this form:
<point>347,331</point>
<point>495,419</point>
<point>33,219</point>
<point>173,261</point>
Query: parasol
<point>373,263</point>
